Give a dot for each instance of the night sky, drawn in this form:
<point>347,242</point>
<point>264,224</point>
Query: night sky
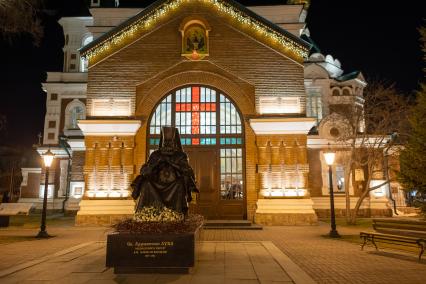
<point>379,38</point>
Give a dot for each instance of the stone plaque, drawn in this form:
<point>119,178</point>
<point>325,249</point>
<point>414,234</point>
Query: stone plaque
<point>134,252</point>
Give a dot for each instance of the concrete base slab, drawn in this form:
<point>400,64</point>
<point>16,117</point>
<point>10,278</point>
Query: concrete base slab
<point>103,212</point>
<point>279,212</point>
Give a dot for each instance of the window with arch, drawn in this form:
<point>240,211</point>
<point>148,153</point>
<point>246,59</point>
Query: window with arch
<point>336,92</point>
<point>205,117</point>
<point>346,92</point>
<point>74,112</point>
<point>83,61</point>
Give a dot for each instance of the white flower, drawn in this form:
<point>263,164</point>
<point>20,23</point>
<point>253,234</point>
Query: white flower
<point>154,214</point>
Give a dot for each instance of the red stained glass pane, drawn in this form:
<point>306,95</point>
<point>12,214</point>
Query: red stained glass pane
<point>177,107</point>
<point>185,107</point>
<point>195,122</point>
<point>202,107</point>
<point>213,107</point>
<point>195,107</point>
<point>195,129</point>
<point>195,94</point>
<point>195,141</point>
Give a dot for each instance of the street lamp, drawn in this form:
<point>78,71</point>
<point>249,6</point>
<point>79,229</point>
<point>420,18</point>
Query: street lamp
<point>329,159</point>
<point>48,159</point>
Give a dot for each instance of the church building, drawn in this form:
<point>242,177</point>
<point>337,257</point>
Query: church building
<point>248,90</point>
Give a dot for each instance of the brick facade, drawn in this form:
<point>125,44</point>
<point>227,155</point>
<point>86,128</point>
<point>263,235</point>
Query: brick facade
<point>31,189</point>
<point>242,65</point>
<point>238,65</point>
<point>271,73</point>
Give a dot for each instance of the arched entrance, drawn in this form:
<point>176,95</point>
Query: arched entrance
<point>212,135</point>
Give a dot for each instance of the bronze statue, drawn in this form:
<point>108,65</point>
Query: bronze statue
<point>167,179</point>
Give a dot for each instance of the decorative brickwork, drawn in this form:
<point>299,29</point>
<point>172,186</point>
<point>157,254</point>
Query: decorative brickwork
<point>109,163</point>
<point>32,187</point>
<point>315,176</point>
<point>282,165</point>
<point>149,93</point>
<point>251,160</point>
<point>288,219</point>
<point>77,166</point>
<point>240,66</point>
<point>272,74</point>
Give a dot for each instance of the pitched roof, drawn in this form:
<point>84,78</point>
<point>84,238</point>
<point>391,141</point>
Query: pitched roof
<point>348,76</point>
<point>123,34</point>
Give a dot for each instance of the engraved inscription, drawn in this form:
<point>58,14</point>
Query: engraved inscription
<point>151,250</point>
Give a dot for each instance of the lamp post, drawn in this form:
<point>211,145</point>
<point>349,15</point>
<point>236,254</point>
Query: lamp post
<point>48,159</point>
<point>329,159</point>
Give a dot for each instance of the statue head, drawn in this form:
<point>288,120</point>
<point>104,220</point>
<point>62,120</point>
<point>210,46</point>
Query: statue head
<point>170,139</point>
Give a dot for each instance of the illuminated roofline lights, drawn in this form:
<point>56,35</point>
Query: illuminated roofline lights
<point>120,38</point>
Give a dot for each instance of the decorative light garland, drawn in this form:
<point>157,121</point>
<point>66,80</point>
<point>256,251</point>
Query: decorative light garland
<point>157,14</point>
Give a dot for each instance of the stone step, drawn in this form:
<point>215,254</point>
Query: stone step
<point>252,227</point>
<point>216,223</point>
<point>230,225</point>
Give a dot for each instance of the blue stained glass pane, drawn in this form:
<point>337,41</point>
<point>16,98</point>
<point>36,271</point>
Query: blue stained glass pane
<point>239,141</point>
<point>213,140</point>
<point>222,141</point>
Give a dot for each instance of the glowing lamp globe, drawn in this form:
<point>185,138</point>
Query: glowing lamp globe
<point>48,158</point>
<point>329,157</point>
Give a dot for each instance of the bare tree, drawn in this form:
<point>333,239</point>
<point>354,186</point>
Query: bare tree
<point>18,17</point>
<point>372,125</point>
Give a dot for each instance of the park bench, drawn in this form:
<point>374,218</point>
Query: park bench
<point>402,233</point>
<point>13,209</point>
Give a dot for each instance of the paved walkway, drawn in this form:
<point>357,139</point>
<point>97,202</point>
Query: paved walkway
<point>219,262</point>
<point>334,261</point>
<point>325,260</point>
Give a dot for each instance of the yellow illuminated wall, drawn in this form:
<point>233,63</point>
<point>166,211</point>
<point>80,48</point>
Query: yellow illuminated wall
<point>282,165</point>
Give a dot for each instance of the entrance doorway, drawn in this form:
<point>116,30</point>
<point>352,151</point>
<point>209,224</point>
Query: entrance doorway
<point>212,136</point>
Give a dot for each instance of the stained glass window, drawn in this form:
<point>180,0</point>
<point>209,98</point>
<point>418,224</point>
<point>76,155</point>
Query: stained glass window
<point>205,118</point>
<point>162,116</point>
<point>194,111</point>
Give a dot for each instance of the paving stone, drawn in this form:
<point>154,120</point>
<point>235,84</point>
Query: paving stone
<point>325,260</point>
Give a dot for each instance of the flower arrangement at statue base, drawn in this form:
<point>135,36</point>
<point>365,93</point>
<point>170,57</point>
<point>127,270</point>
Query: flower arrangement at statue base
<point>155,214</point>
<point>155,240</point>
<point>159,220</point>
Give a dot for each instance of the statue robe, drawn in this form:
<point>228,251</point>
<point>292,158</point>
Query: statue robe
<point>165,180</point>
